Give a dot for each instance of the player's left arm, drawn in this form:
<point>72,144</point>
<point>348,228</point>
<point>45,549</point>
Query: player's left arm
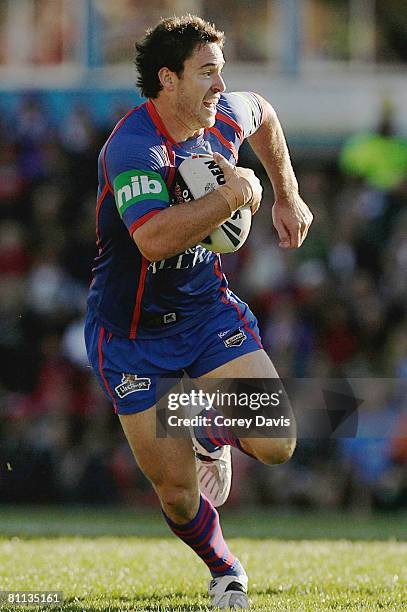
<point>291,215</point>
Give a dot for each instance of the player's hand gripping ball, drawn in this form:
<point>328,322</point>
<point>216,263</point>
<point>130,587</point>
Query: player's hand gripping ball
<point>196,177</point>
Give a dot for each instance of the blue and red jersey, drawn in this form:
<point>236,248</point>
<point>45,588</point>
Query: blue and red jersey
<point>137,167</point>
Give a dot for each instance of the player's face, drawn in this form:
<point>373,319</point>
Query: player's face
<point>200,86</point>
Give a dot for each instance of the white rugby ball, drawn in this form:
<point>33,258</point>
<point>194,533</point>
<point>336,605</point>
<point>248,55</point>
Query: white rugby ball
<point>196,177</point>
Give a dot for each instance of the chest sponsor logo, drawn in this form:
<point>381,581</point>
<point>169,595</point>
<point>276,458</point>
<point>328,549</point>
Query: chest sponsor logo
<point>131,383</point>
<point>188,259</point>
<point>138,185</point>
<point>235,338</point>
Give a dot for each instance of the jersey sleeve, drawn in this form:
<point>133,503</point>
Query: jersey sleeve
<point>136,176</point>
<point>247,110</point>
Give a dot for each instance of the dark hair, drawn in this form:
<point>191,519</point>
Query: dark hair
<point>169,44</point>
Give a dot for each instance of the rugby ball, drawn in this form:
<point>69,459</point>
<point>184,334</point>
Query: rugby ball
<point>196,177</point>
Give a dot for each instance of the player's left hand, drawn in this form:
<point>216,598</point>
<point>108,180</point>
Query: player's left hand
<point>292,219</point>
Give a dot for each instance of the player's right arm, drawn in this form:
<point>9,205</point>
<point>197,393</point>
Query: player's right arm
<point>180,227</point>
<point>142,200</point>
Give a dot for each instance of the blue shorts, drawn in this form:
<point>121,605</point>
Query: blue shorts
<point>128,370</point>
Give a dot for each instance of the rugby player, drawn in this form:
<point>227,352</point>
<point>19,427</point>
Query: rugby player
<point>159,305</point>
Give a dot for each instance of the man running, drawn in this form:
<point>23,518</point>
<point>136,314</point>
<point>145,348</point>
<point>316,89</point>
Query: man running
<point>159,305</point>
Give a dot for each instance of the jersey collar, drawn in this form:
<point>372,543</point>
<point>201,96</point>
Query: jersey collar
<point>158,122</point>
<point>156,119</point>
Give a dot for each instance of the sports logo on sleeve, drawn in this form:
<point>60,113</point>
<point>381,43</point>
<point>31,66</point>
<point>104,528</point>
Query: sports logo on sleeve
<point>137,185</point>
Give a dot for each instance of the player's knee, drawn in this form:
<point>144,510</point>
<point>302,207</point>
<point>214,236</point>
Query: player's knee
<point>178,502</point>
<point>277,451</point>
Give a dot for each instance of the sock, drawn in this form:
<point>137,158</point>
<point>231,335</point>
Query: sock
<point>213,436</point>
<point>204,535</point>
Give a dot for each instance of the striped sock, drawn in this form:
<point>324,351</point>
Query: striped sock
<point>204,535</point>
<point>215,435</point>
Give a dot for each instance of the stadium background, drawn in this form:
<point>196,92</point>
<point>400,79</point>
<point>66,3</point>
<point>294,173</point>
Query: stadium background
<point>335,70</point>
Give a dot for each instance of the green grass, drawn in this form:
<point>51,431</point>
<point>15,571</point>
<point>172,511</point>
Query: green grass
<point>119,561</point>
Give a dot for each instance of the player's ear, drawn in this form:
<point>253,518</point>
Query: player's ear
<point>167,78</point>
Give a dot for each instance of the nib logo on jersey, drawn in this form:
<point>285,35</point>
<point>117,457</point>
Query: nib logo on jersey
<point>132,383</point>
<point>233,338</point>
<point>138,185</point>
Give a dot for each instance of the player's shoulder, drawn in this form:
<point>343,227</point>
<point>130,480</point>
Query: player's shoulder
<point>134,130</point>
<point>134,142</point>
<point>234,101</point>
<point>243,108</point>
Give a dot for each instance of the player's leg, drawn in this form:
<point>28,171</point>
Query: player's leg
<point>169,464</point>
<point>257,364</point>
<point>231,348</point>
<point>128,373</point>
<point>253,364</point>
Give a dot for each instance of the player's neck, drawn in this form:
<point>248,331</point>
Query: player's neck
<point>173,124</point>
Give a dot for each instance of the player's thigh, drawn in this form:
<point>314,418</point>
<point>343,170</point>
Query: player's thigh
<point>256,365</point>
<point>165,461</point>
<point>251,365</point>
<point>275,446</point>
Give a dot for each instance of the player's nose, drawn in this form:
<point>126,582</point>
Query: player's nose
<point>218,84</point>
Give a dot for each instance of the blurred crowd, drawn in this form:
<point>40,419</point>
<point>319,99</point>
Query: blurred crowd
<point>334,308</point>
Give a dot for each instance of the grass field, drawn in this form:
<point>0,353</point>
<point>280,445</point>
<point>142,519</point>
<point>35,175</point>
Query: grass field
<point>110,560</point>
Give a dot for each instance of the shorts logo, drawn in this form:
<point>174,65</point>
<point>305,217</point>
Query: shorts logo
<point>131,383</point>
<point>222,334</point>
<point>236,338</point>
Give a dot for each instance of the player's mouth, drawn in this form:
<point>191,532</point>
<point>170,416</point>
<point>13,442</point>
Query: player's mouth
<point>210,105</point>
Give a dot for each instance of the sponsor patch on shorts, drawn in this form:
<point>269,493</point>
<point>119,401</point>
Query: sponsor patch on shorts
<point>222,334</point>
<point>234,338</point>
<point>132,383</point>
